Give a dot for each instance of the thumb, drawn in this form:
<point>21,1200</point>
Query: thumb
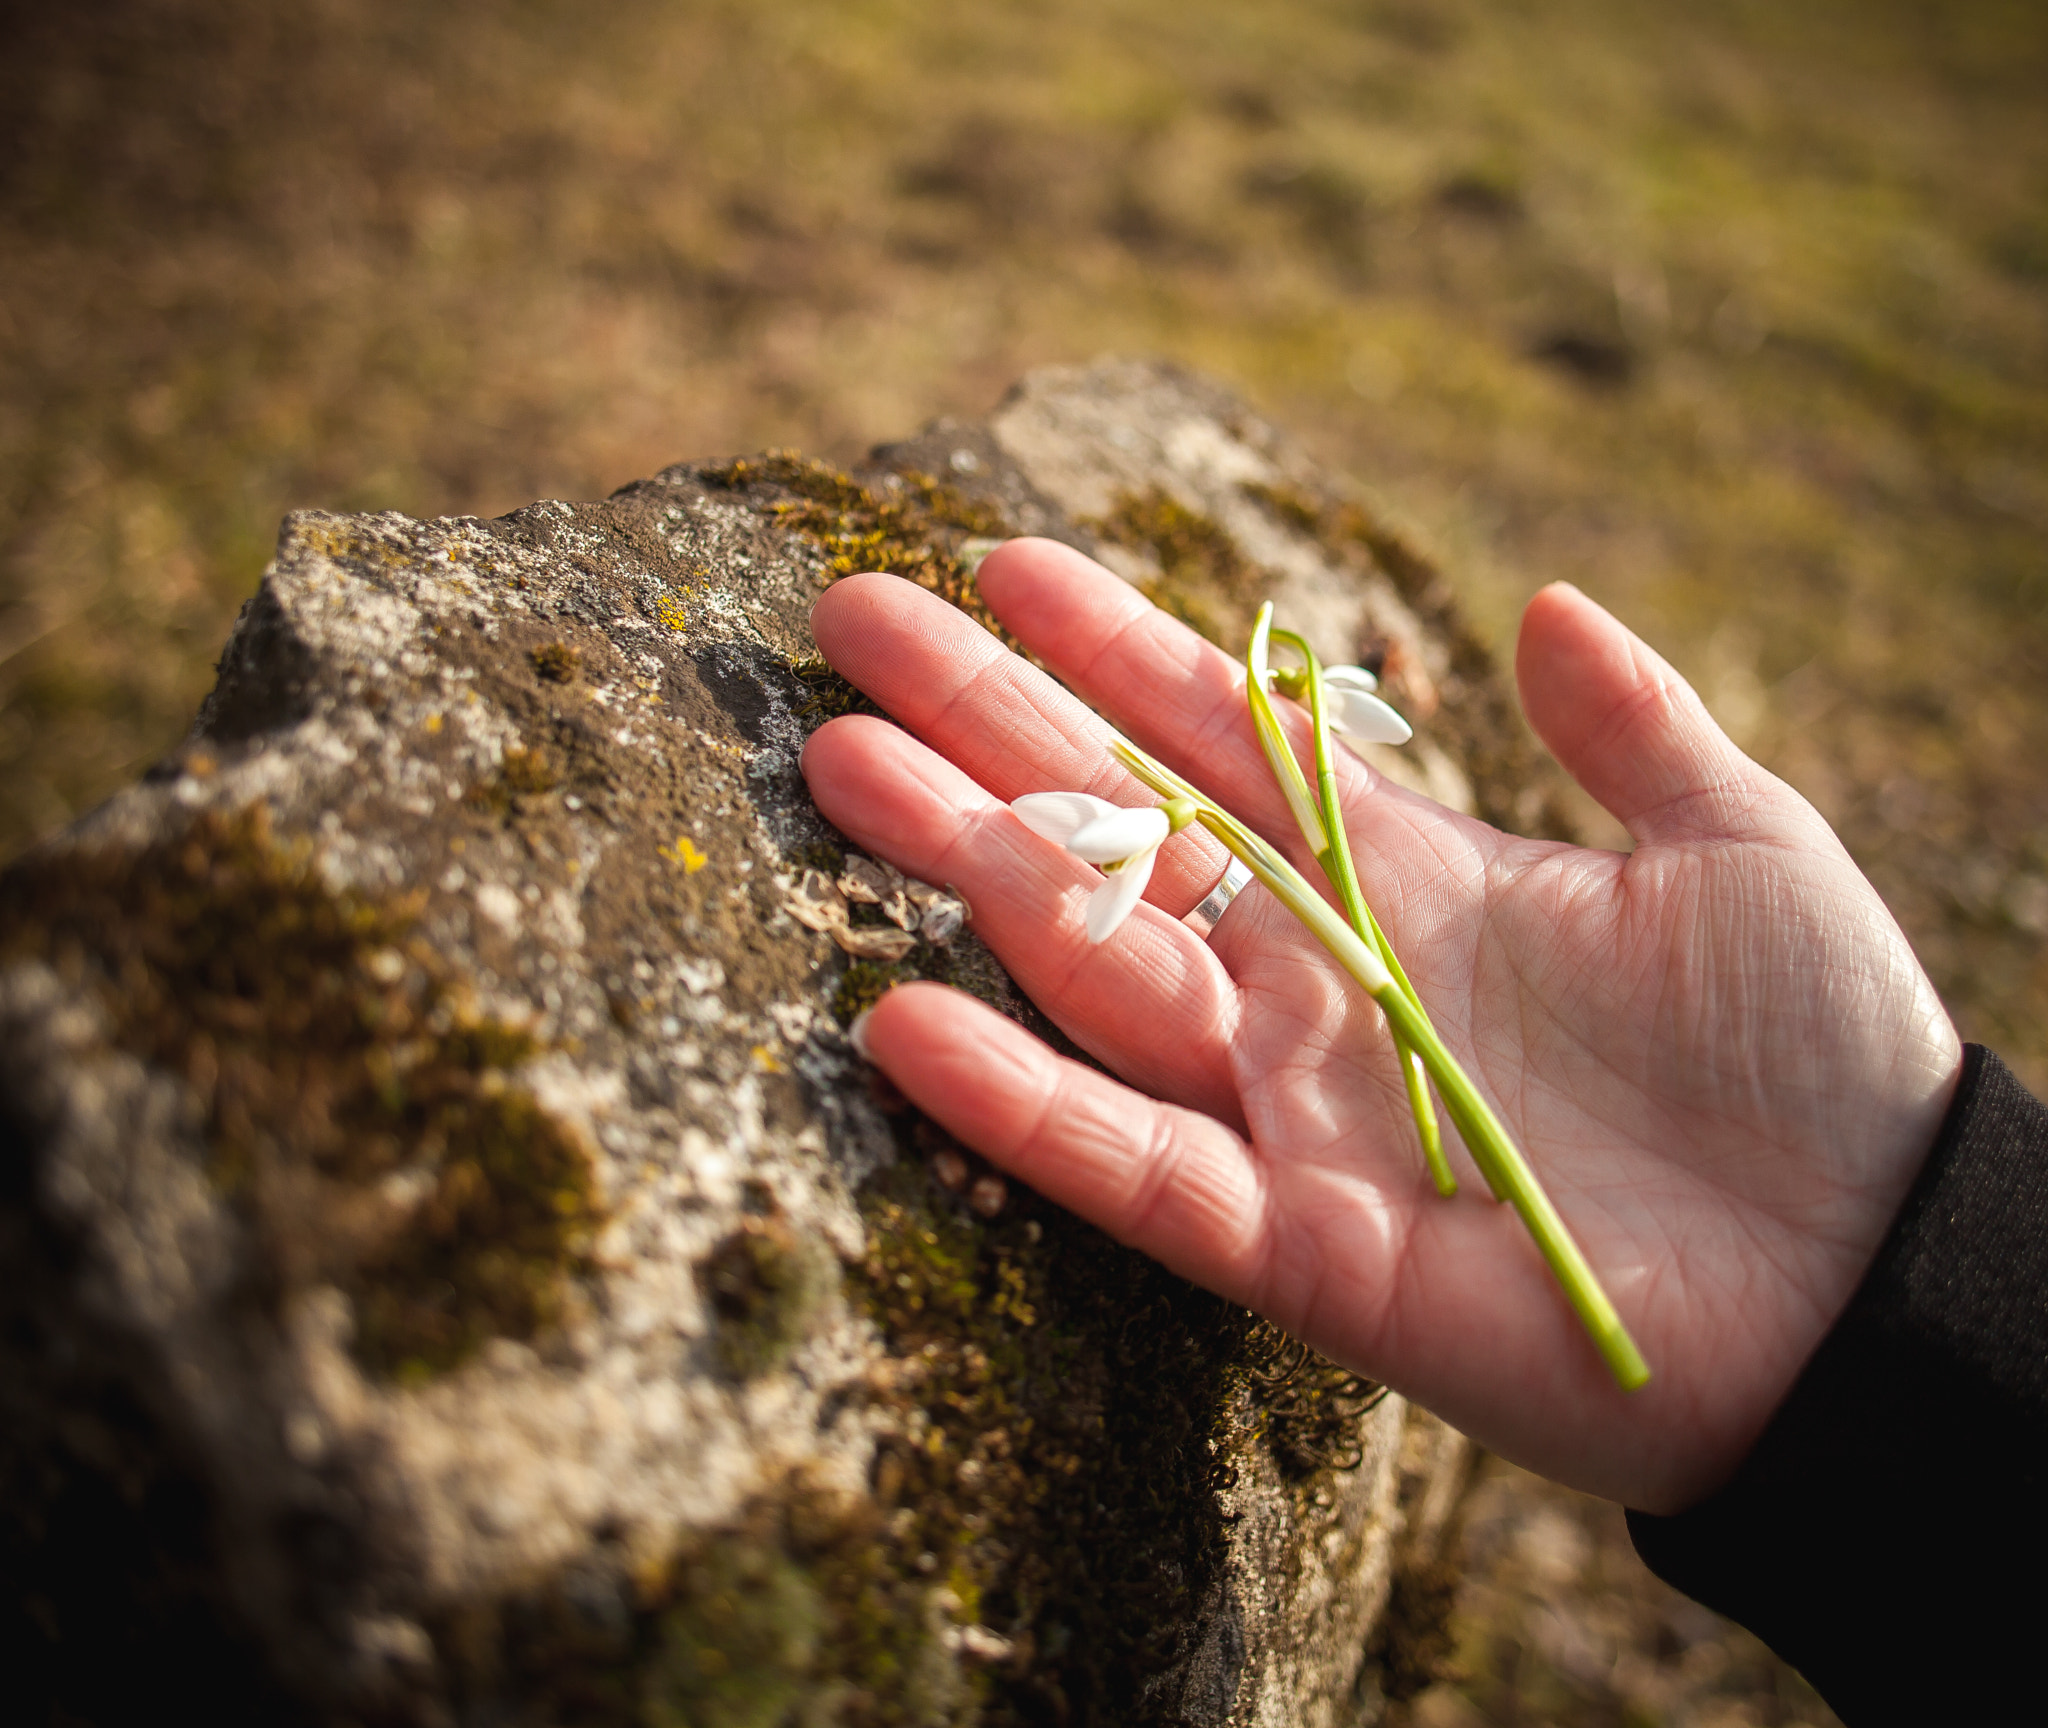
<point>1629,729</point>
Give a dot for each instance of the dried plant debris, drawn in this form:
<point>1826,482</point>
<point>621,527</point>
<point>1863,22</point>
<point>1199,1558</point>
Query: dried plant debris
<point>911,911</point>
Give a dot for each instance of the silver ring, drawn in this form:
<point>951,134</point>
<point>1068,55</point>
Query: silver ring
<point>1220,896</point>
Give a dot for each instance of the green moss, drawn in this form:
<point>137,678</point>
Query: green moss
<point>820,855</point>
<point>483,1044</point>
<point>828,695</point>
<point>1064,1414</point>
<point>965,966</point>
<point>556,662</point>
<point>764,1284</point>
<point>485,1254</point>
<point>527,773</point>
<point>1292,505</point>
<point>918,528</point>
<point>804,1609</point>
<point>1311,1409</point>
<point>1204,579</point>
<point>521,775</point>
<point>368,1133</point>
<point>735,1646</point>
<point>1082,1409</point>
<point>861,986</point>
<point>1077,1399</point>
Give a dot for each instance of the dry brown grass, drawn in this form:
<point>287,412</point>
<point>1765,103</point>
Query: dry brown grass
<point>1558,1624</point>
<point>1735,317</point>
<point>1736,314</point>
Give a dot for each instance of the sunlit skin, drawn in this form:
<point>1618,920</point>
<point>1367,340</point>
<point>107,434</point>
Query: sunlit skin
<point>1718,1050</point>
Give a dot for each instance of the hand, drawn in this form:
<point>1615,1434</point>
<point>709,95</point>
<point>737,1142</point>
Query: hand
<point>1718,1051</point>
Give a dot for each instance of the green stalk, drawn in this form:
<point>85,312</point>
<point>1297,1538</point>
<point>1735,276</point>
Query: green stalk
<point>1322,826</point>
<point>1508,1171</point>
<point>1266,723</point>
<point>1336,860</point>
<point>1495,1153</point>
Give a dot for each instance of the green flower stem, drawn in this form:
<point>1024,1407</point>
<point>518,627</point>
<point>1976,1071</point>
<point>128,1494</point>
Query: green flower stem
<point>1332,849</point>
<point>1495,1153</point>
<point>1311,815</point>
<point>1335,859</point>
<point>1287,771</point>
<point>1337,865</point>
<point>1508,1172</point>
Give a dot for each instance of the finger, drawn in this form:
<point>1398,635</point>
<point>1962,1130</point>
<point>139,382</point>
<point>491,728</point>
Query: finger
<point>1630,730</point>
<point>1381,1286</point>
<point>1168,1181</point>
<point>1152,1001</point>
<point>1011,727</point>
<point>1179,696</point>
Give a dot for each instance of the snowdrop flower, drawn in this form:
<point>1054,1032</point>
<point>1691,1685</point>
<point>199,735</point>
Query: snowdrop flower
<point>1354,709</point>
<point>1121,842</point>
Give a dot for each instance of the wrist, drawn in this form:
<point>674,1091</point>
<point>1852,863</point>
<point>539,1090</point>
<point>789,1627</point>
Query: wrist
<point>1851,1498</point>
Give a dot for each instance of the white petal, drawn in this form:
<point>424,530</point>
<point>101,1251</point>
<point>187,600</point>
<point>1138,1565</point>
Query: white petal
<point>942,919</point>
<point>1120,834</point>
<point>1119,894</point>
<point>1057,816</point>
<point>1367,718</point>
<point>1349,678</point>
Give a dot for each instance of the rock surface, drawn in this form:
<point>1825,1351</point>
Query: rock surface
<point>460,1272</point>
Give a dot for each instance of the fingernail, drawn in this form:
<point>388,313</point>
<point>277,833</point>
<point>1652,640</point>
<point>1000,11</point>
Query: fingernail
<point>857,1034</point>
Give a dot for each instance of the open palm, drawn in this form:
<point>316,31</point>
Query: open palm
<point>1718,1051</point>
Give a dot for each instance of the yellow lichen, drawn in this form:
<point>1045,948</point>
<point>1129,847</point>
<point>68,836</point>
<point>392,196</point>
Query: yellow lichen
<point>685,852</point>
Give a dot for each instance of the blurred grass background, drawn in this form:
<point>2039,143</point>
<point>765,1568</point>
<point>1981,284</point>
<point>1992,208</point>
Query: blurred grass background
<point>1736,314</point>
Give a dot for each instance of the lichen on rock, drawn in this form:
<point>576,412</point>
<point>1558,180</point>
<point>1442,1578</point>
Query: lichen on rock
<point>466,1274</point>
<point>367,1129</point>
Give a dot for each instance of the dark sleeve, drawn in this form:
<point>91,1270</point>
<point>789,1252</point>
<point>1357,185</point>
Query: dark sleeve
<point>1886,1535</point>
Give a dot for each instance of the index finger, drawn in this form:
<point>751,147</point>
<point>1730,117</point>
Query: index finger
<point>1183,699</point>
<point>1172,691</point>
<point>1153,1001</point>
<point>993,714</point>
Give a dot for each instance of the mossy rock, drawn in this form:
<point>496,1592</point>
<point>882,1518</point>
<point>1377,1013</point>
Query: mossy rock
<point>461,1272</point>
